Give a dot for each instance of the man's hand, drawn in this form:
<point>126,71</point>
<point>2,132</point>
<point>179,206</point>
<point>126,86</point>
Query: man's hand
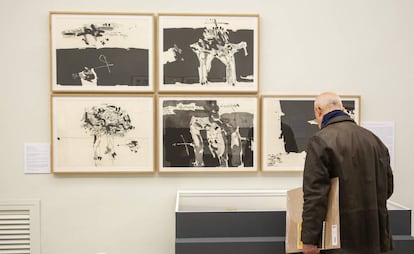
<point>310,249</point>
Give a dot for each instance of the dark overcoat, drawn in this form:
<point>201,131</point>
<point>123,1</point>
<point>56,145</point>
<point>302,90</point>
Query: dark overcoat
<point>361,161</point>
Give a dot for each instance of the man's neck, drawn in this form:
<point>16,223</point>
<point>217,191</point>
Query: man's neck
<point>331,115</point>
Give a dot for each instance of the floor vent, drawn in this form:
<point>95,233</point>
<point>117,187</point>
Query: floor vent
<point>20,227</point>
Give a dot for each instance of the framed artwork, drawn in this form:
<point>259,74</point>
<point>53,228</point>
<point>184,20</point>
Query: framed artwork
<point>207,133</point>
<point>105,52</point>
<point>110,133</point>
<point>208,53</point>
<point>287,124</point>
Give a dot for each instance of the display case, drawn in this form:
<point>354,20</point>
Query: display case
<point>222,222</point>
<point>400,222</point>
<point>252,221</point>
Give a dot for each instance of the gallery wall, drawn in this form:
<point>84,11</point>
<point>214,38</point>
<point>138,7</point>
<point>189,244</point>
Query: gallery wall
<point>306,47</point>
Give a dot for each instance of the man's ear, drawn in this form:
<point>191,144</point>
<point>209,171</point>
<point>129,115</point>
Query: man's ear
<point>319,116</point>
<point>318,111</point>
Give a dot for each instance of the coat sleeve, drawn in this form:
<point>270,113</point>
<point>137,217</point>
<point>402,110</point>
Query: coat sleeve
<point>316,186</point>
<point>390,176</point>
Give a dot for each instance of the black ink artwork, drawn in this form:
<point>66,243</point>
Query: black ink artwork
<point>107,121</point>
<point>91,34</point>
<point>213,54</point>
<point>294,124</point>
<point>215,44</point>
<point>197,133</point>
<point>88,76</point>
<point>101,55</point>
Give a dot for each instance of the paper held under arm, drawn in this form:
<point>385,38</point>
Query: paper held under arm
<point>331,228</point>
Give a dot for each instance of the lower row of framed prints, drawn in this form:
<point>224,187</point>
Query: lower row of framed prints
<point>181,133</point>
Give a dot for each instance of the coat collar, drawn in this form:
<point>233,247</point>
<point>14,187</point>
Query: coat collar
<point>336,119</point>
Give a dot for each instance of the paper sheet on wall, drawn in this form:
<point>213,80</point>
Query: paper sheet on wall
<point>385,131</point>
<point>37,158</point>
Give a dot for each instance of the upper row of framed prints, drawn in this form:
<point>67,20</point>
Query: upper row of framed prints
<point>135,133</point>
<point>115,52</point>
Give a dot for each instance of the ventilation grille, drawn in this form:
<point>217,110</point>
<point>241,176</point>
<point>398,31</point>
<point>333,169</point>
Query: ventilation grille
<point>15,231</point>
<point>18,228</point>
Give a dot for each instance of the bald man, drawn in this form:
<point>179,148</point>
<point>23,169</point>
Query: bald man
<point>343,149</point>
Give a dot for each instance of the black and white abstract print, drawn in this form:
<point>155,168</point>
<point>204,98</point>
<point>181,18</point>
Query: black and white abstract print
<point>99,134</point>
<point>208,53</point>
<point>101,52</point>
<point>288,125</point>
<point>208,134</point>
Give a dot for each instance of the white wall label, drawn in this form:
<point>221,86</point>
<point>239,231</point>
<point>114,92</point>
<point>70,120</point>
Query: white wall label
<point>37,158</point>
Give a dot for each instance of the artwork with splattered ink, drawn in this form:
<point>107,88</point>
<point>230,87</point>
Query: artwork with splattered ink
<point>202,134</point>
<point>101,52</point>
<point>208,53</point>
<point>102,134</point>
<point>287,124</point>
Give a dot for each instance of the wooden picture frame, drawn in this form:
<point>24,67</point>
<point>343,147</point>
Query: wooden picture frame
<point>288,121</point>
<point>102,133</point>
<point>207,133</point>
<point>208,53</point>
<point>101,52</point>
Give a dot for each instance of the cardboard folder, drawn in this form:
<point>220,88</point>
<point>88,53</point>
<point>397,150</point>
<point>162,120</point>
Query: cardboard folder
<point>330,238</point>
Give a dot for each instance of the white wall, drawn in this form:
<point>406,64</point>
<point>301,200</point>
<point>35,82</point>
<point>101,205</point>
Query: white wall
<point>363,47</point>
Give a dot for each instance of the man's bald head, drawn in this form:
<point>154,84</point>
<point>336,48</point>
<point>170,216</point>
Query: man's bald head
<point>328,101</point>
<point>325,103</point>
